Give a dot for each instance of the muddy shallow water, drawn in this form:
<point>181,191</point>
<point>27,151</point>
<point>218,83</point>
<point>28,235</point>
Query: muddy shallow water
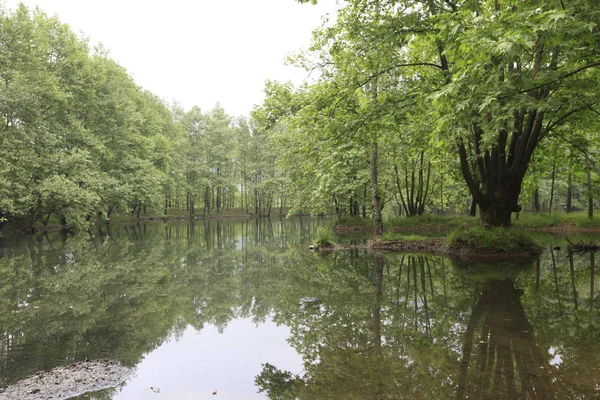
<point>243,309</point>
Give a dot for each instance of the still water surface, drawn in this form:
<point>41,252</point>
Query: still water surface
<point>240,307</point>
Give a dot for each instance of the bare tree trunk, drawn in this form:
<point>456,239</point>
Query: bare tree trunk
<point>399,186</point>
<point>256,205</point>
<point>364,203</point>
<point>207,197</point>
<point>553,180</point>
<point>569,206</point>
<point>220,199</point>
<point>442,193</point>
<point>375,197</point>
<point>269,205</point>
<point>590,195</point>
<point>536,200</point>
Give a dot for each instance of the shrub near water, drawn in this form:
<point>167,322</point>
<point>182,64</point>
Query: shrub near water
<point>493,240</point>
<point>324,237</point>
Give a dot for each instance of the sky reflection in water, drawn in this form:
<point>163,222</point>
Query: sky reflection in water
<point>198,363</point>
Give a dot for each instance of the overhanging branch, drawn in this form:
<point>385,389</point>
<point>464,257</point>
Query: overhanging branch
<point>560,78</point>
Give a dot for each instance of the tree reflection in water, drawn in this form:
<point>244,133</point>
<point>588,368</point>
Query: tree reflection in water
<point>368,326</point>
<point>413,327</point>
<point>500,355</point>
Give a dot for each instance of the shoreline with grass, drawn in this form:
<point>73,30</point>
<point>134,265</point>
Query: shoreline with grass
<point>468,244</point>
<point>463,236</point>
<point>555,222</point>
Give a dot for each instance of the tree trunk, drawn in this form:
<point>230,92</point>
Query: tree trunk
<point>473,210</point>
<point>219,200</point>
<point>269,205</point>
<point>569,206</point>
<point>338,211</point>
<point>442,193</point>
<point>536,200</point>
<point>364,203</point>
<point>373,165</point>
<point>590,195</point>
<point>375,197</point>
<point>281,204</point>
<point>552,182</point>
<point>496,208</point>
<point>495,178</point>
<point>399,186</point>
<point>212,198</point>
<point>426,194</point>
<point>207,198</point>
<point>256,205</point>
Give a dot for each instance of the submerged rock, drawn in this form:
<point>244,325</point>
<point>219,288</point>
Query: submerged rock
<point>68,381</point>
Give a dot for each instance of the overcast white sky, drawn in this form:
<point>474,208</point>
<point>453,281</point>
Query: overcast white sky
<point>197,52</point>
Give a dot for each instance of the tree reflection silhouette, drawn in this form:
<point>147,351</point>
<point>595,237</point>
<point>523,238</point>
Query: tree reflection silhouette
<point>409,321</point>
<point>500,357</point>
<point>368,326</point>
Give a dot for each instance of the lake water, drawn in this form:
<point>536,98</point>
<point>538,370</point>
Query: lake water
<point>239,307</point>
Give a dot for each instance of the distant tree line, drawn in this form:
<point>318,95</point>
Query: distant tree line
<point>80,139</point>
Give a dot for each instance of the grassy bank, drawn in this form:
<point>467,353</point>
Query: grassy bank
<point>492,240</point>
<point>545,221</point>
<point>464,234</point>
<point>578,220</point>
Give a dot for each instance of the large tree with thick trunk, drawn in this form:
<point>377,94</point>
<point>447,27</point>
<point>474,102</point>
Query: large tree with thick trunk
<point>522,68</point>
<point>499,75</point>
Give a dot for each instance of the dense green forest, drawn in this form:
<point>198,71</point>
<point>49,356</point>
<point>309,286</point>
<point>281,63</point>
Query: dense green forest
<point>415,107</point>
<point>80,138</point>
